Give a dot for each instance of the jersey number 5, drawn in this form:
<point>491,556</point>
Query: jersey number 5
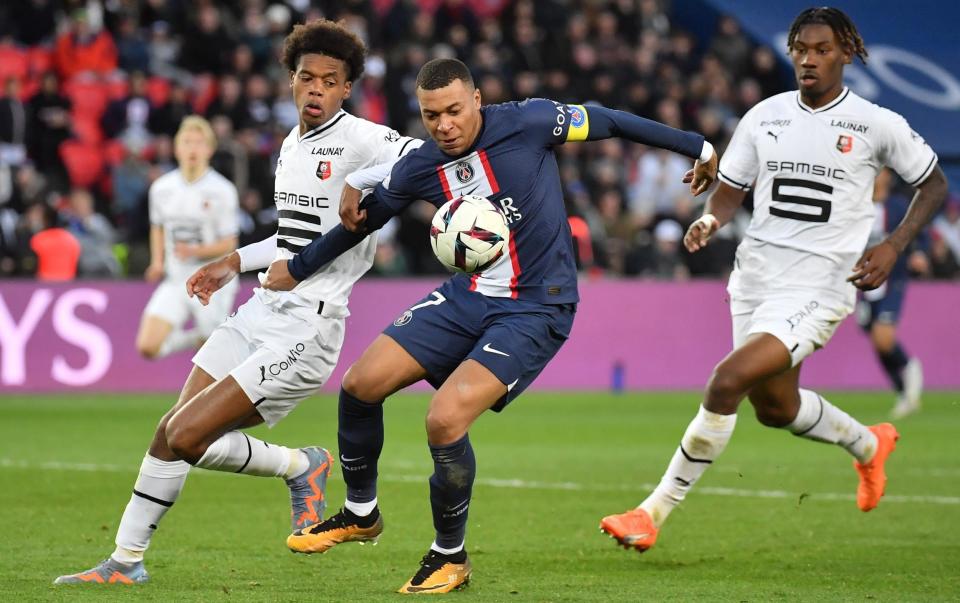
<point>822,204</point>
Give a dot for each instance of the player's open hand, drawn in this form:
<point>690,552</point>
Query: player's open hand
<point>211,277</point>
<point>700,232</point>
<point>702,175</point>
<point>278,277</point>
<point>874,266</point>
<point>351,215</point>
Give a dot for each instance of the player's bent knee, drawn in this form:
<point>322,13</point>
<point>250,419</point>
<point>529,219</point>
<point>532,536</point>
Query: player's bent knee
<point>185,442</point>
<point>727,386</point>
<point>444,427</point>
<point>361,386</point>
<point>149,349</point>
<point>770,412</point>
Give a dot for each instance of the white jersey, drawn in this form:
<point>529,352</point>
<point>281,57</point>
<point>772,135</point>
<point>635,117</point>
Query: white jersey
<point>201,212</point>
<point>309,179</point>
<point>813,171</point>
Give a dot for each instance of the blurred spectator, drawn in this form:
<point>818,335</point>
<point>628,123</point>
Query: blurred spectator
<point>658,191</point>
<point>166,118</point>
<point>31,21</point>
<point>256,221</point>
<point>13,124</point>
<point>133,53</point>
<point>731,46</point>
<point>206,45</point>
<point>84,49</point>
<point>229,103</point>
<point>55,251</point>
<point>131,179</point>
<point>667,263</point>
<point>945,252</point>
<point>49,126</point>
<point>95,235</point>
<point>127,117</point>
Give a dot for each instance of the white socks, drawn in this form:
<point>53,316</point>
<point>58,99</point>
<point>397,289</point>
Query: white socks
<point>178,340</point>
<point>157,488</point>
<point>705,438</point>
<point>819,420</point>
<point>237,452</point>
<point>360,509</point>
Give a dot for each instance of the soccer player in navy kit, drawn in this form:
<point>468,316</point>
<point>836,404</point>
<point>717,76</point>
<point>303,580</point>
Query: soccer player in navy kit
<point>480,339</point>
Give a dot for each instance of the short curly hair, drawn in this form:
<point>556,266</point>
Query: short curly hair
<point>838,21</point>
<point>326,37</point>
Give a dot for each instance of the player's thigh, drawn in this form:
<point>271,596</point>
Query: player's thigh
<point>384,368</point>
<point>437,332</point>
<point>516,346</point>
<point>290,361</point>
<point>804,321</point>
<point>169,302</point>
<point>470,390</point>
<point>778,391</point>
<point>152,333</point>
<point>197,381</point>
<point>759,358</point>
<point>208,318</point>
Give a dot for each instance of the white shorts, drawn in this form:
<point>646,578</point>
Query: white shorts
<point>171,303</point>
<point>277,359</point>
<point>803,320</point>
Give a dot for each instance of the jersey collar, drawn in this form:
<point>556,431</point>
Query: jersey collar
<point>314,133</point>
<point>843,95</point>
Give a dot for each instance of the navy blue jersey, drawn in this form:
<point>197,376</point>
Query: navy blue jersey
<point>512,163</point>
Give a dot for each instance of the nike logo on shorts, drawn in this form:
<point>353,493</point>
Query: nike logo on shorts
<point>487,348</point>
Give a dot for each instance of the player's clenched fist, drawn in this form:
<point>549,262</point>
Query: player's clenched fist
<point>700,232</point>
<point>211,277</point>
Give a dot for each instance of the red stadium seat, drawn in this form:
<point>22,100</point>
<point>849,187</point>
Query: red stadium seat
<point>89,97</point>
<point>117,88</point>
<point>158,90</point>
<point>13,62</point>
<point>40,59</point>
<point>204,91</point>
<point>86,129</point>
<point>84,162</point>
<point>28,88</point>
<point>114,152</point>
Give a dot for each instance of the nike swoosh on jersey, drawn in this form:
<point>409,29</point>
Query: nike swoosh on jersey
<point>487,348</point>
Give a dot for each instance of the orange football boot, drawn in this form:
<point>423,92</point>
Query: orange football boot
<point>873,478</point>
<point>633,529</point>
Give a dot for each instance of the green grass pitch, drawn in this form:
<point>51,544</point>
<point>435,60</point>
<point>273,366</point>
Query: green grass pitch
<point>774,519</point>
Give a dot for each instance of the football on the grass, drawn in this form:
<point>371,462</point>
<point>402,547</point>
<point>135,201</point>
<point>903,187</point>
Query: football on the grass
<point>469,234</point>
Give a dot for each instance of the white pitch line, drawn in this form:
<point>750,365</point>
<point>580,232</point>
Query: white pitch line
<point>6,463</point>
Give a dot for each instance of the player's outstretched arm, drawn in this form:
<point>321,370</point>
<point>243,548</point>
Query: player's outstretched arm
<point>874,266</point>
<point>609,123</point>
<point>720,208</point>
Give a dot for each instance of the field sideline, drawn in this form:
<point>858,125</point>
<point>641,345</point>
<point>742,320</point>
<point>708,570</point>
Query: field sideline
<point>773,520</point>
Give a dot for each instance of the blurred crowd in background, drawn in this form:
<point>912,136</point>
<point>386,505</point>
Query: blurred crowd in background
<point>93,92</point>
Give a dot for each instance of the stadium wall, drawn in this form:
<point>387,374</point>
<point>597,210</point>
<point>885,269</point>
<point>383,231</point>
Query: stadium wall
<point>629,334</point>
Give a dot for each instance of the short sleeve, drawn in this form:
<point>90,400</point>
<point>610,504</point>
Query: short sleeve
<point>393,146</point>
<point>227,225</point>
<point>153,200</point>
<point>740,165</point>
<point>903,150</point>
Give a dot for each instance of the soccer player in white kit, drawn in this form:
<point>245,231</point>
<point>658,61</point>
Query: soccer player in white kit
<point>279,347</point>
<point>811,157</point>
<point>193,219</point>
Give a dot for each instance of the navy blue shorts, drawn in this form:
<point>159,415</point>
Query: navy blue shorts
<point>514,339</point>
<point>883,307</point>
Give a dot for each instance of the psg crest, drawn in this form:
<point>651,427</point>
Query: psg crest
<point>323,170</point>
<point>464,172</point>
<point>844,143</point>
